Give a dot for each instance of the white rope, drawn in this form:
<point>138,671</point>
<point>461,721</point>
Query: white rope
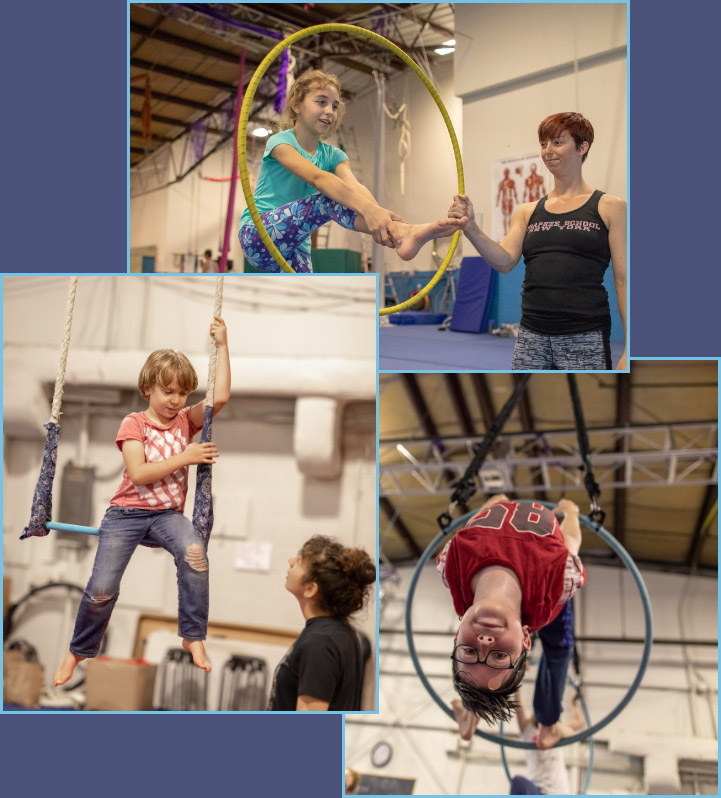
<point>404,142</point>
<point>64,348</point>
<point>213,346</point>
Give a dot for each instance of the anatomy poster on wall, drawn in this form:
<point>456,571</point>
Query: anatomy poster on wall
<point>515,180</point>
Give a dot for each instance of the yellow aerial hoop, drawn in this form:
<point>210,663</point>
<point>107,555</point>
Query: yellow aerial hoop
<point>243,161</point>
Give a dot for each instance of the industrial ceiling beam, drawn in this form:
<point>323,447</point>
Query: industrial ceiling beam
<point>413,391</point>
<point>652,456</point>
<point>527,423</point>
<point>155,137</point>
<point>228,56</point>
<point>162,120</point>
<point>400,527</point>
<point>423,414</point>
<point>623,419</point>
<point>293,14</point>
<point>483,395</point>
<point>453,385</point>
<point>407,10</point>
<point>171,98</point>
<point>180,74</point>
<point>702,528</point>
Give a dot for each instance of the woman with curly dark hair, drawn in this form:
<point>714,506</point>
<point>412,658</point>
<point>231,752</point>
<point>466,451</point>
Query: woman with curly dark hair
<point>323,669</point>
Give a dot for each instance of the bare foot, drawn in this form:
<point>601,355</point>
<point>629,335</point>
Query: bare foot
<point>197,649</point>
<point>465,719</point>
<point>548,736</point>
<point>65,671</point>
<point>416,235</point>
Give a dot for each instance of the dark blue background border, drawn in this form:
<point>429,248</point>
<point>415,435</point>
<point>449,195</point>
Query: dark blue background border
<point>172,755</point>
<point>65,126</point>
<point>65,198</point>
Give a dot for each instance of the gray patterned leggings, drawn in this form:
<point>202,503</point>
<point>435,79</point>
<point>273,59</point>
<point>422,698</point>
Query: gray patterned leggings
<point>589,350</point>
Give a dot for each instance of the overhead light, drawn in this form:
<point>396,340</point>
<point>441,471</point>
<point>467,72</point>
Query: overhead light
<point>450,43</point>
<point>261,132</point>
<point>444,50</point>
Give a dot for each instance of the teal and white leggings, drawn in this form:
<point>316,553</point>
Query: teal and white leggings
<point>289,226</point>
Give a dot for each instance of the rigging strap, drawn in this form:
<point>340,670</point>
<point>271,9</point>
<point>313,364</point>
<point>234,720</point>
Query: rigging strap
<point>466,486</point>
<point>597,515</point>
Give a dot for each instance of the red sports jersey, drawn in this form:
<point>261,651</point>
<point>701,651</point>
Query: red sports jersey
<point>522,536</point>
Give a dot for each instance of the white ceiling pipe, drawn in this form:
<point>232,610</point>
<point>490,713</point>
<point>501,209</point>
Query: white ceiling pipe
<point>26,369</point>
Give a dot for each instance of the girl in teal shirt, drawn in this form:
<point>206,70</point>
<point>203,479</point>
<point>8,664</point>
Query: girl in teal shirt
<point>305,182</point>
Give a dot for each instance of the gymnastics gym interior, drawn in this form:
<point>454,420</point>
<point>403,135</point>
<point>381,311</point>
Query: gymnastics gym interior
<point>652,442</point>
<point>297,447</point>
<point>188,60</point>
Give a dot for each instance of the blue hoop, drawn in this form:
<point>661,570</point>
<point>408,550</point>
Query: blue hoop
<point>85,530</point>
<point>625,558</point>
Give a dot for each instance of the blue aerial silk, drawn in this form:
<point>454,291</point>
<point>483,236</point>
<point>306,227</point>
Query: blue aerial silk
<point>203,507</point>
<point>42,507</point>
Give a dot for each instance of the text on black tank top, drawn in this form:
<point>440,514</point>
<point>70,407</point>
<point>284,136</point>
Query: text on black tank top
<point>566,255</point>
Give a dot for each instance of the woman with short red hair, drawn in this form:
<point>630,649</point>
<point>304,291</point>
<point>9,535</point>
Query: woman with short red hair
<point>567,240</point>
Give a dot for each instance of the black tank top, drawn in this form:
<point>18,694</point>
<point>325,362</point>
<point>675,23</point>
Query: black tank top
<point>566,255</point>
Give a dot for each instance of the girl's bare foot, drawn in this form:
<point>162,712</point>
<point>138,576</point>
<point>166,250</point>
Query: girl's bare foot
<point>416,235</point>
<point>548,736</point>
<point>197,649</point>
<point>465,719</point>
<point>65,671</point>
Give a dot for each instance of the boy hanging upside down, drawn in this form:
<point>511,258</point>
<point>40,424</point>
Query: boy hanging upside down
<point>511,570</point>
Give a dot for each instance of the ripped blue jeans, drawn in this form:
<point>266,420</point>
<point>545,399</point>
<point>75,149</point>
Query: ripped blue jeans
<point>289,226</point>
<point>122,530</point>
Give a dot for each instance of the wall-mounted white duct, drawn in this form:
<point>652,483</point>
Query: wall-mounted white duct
<point>326,383</point>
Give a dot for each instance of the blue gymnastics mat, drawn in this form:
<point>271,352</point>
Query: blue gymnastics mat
<point>424,348</point>
<point>476,284</point>
<point>417,317</point>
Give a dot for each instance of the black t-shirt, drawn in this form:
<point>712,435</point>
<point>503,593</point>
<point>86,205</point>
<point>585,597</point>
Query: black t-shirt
<point>325,663</point>
<point>566,255</point>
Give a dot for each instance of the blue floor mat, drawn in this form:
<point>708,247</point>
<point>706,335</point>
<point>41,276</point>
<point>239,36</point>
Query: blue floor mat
<point>414,348</point>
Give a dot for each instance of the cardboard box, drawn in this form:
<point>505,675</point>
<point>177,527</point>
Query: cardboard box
<point>118,685</point>
<point>22,681</point>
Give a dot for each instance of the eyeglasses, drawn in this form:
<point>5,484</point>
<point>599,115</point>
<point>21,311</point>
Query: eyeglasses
<point>469,655</point>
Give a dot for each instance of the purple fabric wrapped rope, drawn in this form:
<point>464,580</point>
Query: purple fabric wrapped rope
<point>42,506</point>
<point>279,102</point>
<point>203,507</point>
<point>198,131</point>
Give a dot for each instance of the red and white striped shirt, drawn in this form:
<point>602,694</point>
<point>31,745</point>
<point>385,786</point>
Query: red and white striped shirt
<point>160,442</point>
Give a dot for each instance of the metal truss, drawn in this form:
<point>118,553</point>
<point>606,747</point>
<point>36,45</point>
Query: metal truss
<point>622,457</point>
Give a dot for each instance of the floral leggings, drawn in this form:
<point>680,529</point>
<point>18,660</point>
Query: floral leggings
<point>288,227</point>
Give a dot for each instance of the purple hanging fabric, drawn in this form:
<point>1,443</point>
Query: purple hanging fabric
<point>279,102</point>
<point>203,506</point>
<point>227,110</point>
<point>198,131</point>
<point>42,506</point>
